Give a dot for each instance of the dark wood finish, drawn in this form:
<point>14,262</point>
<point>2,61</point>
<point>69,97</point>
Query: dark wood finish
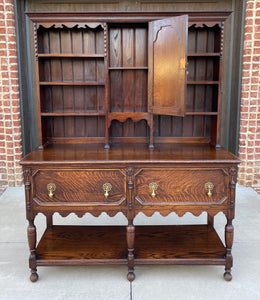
<point>184,244</point>
<point>163,154</point>
<point>86,245</point>
<point>119,80</point>
<point>167,63</point>
<point>82,245</point>
<point>103,69</point>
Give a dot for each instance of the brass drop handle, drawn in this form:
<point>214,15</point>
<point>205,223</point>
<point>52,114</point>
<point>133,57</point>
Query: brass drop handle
<point>209,186</point>
<point>51,187</point>
<point>153,187</point>
<point>107,188</point>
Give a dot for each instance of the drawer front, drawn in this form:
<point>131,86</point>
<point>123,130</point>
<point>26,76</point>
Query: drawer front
<point>181,186</point>
<point>79,186</point>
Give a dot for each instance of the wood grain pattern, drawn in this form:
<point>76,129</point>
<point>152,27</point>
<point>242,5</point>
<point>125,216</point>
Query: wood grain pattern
<point>79,244</point>
<point>79,186</point>
<point>189,189</point>
<point>186,244</point>
<point>73,58</point>
<point>94,74</point>
<point>167,51</point>
<point>81,154</point>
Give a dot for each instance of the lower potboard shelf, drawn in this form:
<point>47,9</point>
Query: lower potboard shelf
<point>106,245</point>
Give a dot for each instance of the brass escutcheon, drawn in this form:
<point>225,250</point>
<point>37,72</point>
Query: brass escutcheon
<point>153,187</point>
<point>51,187</point>
<point>107,188</point>
<point>209,187</point>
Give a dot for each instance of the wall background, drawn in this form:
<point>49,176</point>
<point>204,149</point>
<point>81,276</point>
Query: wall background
<point>10,118</point>
<point>249,146</point>
<point>10,125</point>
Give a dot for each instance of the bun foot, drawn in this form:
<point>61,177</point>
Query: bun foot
<point>227,276</point>
<point>34,276</point>
<point>131,276</point>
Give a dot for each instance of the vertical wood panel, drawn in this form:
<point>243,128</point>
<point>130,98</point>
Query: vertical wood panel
<point>79,105</point>
<point>89,43</point>
<point>202,41</point>
<point>58,126</point>
<point>115,54</point>
<point>141,55</point>
<point>198,126</point>
<point>165,125</point>
<point>176,124</point>
<point>192,37</point>
<point>187,126</point>
<point>99,41</point>
<point>79,126</point>
<point>101,99</point>
<point>116,91</point>
<point>101,126</point>
<point>140,91</point>
<point>167,52</point>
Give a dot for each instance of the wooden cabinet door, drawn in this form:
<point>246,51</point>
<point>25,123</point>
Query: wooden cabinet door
<point>167,65</point>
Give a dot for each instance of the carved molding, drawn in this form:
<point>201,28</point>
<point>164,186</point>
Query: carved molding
<point>80,213</point>
<point>123,117</point>
<point>50,204</point>
<point>149,213</point>
<point>205,24</point>
<point>146,203</point>
<point>232,186</point>
<point>105,39</point>
<point>221,39</point>
<point>35,40</point>
<point>77,25</point>
<point>233,177</point>
<point>27,184</point>
<point>130,185</point>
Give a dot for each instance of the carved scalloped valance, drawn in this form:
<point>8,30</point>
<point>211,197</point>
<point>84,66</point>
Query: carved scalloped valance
<point>203,24</point>
<point>90,25</point>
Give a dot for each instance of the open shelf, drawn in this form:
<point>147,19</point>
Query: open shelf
<point>63,245</point>
<point>71,83</point>
<point>63,114</point>
<point>127,68</point>
<point>203,82</point>
<point>201,113</point>
<point>86,245</point>
<point>70,55</point>
<point>178,244</point>
<point>204,54</point>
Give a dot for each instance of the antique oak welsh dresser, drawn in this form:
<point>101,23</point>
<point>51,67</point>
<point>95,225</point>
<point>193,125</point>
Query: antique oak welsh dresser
<point>129,119</point>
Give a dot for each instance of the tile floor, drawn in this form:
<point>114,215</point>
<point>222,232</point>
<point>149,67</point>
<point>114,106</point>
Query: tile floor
<point>152,282</point>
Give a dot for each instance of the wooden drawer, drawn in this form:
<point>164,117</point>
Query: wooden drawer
<point>181,186</point>
<point>79,186</point>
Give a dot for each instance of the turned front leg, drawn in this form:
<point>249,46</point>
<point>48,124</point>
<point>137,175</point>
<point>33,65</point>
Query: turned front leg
<point>31,231</point>
<point>229,235</point>
<point>130,237</point>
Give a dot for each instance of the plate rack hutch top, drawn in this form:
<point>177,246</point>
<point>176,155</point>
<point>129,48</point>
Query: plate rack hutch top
<point>129,119</point>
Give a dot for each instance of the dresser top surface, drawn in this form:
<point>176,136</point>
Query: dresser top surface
<point>128,153</point>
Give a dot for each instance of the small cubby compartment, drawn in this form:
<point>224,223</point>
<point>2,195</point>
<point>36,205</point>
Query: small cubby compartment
<point>71,70</point>
<point>62,39</point>
<point>73,129</point>
<point>203,68</point>
<point>81,99</point>
<point>204,39</point>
